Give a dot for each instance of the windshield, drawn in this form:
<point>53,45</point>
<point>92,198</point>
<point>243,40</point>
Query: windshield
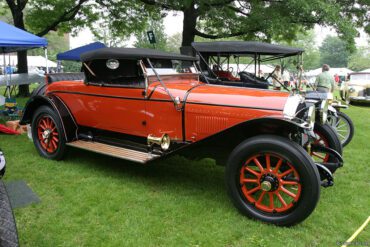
<point>170,67</point>
<point>360,78</point>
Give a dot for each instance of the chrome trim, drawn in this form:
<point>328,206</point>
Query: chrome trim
<point>291,105</point>
<point>324,111</point>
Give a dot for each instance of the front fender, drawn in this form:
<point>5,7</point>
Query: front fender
<point>220,145</point>
<point>68,122</point>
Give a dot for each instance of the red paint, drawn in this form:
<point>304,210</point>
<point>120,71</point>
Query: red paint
<point>209,108</point>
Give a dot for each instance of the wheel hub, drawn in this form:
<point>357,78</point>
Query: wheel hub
<point>269,182</point>
<point>46,135</point>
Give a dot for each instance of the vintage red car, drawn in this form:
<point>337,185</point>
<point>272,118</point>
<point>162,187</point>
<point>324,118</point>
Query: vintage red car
<point>145,105</point>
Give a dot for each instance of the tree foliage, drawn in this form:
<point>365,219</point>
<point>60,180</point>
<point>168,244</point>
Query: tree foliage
<point>360,60</point>
<point>260,20</point>
<point>163,41</point>
<point>311,56</point>
<point>142,40</point>
<point>334,52</point>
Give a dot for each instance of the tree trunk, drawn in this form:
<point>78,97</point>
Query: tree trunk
<point>188,33</point>
<point>24,90</point>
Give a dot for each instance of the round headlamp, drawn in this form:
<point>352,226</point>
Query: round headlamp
<point>324,111</point>
<point>351,90</point>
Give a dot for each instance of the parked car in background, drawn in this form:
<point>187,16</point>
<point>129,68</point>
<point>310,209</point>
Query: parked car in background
<point>8,229</point>
<point>356,88</point>
<point>145,105</point>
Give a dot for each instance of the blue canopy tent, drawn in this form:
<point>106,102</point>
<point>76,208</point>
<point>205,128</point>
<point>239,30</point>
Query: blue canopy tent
<point>13,39</point>
<point>74,54</point>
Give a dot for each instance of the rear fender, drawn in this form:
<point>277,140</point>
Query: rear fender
<point>68,122</point>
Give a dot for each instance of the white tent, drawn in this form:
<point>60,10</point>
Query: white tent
<point>333,71</point>
<point>33,61</point>
<point>366,70</point>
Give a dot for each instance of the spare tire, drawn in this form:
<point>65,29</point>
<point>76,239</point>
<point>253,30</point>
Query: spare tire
<point>8,229</point>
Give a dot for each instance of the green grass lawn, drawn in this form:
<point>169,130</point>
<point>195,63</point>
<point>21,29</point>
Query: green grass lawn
<point>94,200</point>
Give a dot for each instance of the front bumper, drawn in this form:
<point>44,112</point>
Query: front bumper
<point>360,98</point>
<point>2,164</point>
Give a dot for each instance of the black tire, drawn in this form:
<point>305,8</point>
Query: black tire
<point>345,138</point>
<point>292,153</point>
<point>60,150</point>
<point>331,140</point>
<point>8,229</point>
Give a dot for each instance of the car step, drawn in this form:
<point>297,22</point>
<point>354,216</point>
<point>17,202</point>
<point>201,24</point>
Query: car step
<point>114,151</point>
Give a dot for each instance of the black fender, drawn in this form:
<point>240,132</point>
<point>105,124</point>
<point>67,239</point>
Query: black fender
<point>68,122</point>
<point>220,145</point>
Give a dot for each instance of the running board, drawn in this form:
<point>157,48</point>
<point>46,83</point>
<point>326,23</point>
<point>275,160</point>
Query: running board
<point>114,151</point>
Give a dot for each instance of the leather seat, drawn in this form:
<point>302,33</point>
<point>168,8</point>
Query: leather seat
<point>65,77</point>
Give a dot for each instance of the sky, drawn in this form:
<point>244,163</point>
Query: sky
<point>173,25</point>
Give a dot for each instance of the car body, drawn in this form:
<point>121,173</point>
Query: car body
<point>2,164</point>
<point>357,88</point>
<point>145,105</point>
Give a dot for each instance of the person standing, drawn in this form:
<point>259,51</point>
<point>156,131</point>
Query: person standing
<point>325,81</point>
<point>276,78</point>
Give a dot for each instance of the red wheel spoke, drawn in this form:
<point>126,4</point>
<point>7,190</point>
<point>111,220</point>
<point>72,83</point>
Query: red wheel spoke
<point>54,144</point>
<point>281,199</point>
<point>246,180</point>
<point>268,163</point>
<point>258,164</point>
<point>276,170</point>
<point>253,172</point>
<point>253,190</point>
<point>261,197</point>
<point>47,134</point>
<point>286,172</point>
<point>268,181</point>
<point>289,182</point>
<point>271,195</point>
<point>291,194</point>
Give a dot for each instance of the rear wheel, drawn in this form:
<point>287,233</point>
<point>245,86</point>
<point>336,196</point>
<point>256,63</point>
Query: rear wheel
<point>48,134</point>
<point>272,179</point>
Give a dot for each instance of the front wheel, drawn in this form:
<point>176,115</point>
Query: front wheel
<point>344,127</point>
<point>326,136</point>
<point>272,179</point>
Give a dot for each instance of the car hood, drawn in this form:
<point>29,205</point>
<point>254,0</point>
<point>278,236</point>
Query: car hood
<point>199,93</point>
<point>354,84</point>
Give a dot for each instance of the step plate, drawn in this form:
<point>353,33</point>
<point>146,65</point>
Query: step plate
<point>114,151</point>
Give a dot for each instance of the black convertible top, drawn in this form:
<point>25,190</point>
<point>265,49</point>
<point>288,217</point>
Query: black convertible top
<point>244,47</point>
<point>131,53</point>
